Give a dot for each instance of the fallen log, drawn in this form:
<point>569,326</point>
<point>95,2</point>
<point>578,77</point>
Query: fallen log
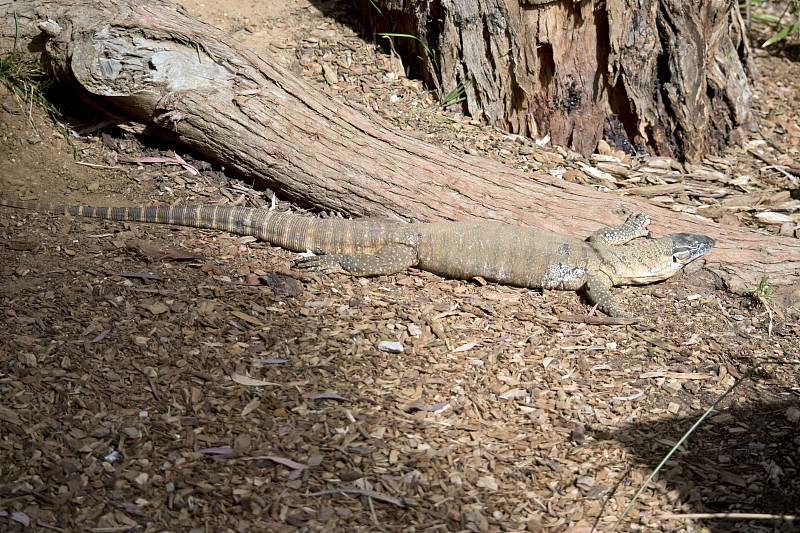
<point>181,77</point>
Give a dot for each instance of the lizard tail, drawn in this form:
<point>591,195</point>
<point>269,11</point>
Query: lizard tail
<point>293,232</point>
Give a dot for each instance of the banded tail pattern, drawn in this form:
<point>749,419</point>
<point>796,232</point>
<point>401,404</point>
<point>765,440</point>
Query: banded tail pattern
<point>293,232</point>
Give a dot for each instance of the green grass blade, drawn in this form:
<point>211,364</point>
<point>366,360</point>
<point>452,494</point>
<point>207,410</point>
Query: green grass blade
<point>781,34</point>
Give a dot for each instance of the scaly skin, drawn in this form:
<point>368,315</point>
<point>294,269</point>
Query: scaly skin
<point>515,255</point>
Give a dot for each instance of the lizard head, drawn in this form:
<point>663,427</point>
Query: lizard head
<point>658,259</point>
<point>687,247</point>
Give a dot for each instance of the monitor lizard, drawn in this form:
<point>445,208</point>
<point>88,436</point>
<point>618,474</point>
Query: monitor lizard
<point>503,253</point>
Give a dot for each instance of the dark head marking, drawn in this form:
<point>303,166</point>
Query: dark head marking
<point>687,247</point>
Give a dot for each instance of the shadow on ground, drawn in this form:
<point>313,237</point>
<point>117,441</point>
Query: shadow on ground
<point>741,459</point>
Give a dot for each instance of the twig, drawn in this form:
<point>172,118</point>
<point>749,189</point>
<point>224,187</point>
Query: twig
<point>372,511</point>
<point>95,165</point>
<point>731,516</point>
<point>403,503</point>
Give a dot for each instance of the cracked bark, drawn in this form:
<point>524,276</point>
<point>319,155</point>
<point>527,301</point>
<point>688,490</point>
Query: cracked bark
<point>663,76</point>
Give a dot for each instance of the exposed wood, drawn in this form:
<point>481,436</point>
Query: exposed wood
<point>665,76</point>
<point>218,97</point>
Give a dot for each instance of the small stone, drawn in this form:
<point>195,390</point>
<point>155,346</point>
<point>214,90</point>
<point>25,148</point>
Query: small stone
<point>391,347</point>
<point>486,482</point>
<point>514,393</point>
<point>157,308</point>
<point>329,73</point>
<point>793,414</point>
<point>770,217</point>
<point>50,27</point>
<point>787,229</point>
<point>112,456</point>
<point>578,434</point>
<point>131,432</point>
<point>674,385</point>
<point>233,349</point>
<point>325,514</point>
<point>27,359</point>
<point>597,492</point>
<point>730,219</point>
<point>414,330</point>
<point>141,479</point>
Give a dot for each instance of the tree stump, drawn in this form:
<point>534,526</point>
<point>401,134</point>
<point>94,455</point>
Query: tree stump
<point>663,76</point>
<point>179,76</point>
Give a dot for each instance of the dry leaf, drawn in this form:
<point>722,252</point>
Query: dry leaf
<point>247,318</point>
<point>250,382</point>
<point>676,375</point>
<point>250,407</point>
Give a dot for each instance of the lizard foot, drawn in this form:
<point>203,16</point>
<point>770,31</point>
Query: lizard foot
<point>389,259</point>
<point>324,263</point>
<point>638,223</point>
<point>635,226</point>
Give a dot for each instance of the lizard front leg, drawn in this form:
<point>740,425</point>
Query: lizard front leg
<point>598,290</point>
<point>635,226</point>
<point>389,259</point>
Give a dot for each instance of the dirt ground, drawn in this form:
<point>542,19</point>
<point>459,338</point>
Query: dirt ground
<point>149,382</point>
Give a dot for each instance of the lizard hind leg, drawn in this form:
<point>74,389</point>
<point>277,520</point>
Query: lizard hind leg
<point>635,226</point>
<point>389,259</point>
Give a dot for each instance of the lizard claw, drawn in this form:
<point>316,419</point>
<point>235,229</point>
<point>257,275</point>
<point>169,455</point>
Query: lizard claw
<point>306,262</point>
<point>326,263</point>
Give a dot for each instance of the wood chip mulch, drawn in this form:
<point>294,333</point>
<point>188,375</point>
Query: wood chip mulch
<point>163,379</point>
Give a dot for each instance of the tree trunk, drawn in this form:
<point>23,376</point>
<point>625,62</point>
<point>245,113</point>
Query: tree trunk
<point>666,76</point>
<point>194,82</point>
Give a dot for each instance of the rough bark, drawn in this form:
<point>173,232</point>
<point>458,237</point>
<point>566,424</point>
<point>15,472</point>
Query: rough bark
<point>664,76</point>
<point>196,83</point>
